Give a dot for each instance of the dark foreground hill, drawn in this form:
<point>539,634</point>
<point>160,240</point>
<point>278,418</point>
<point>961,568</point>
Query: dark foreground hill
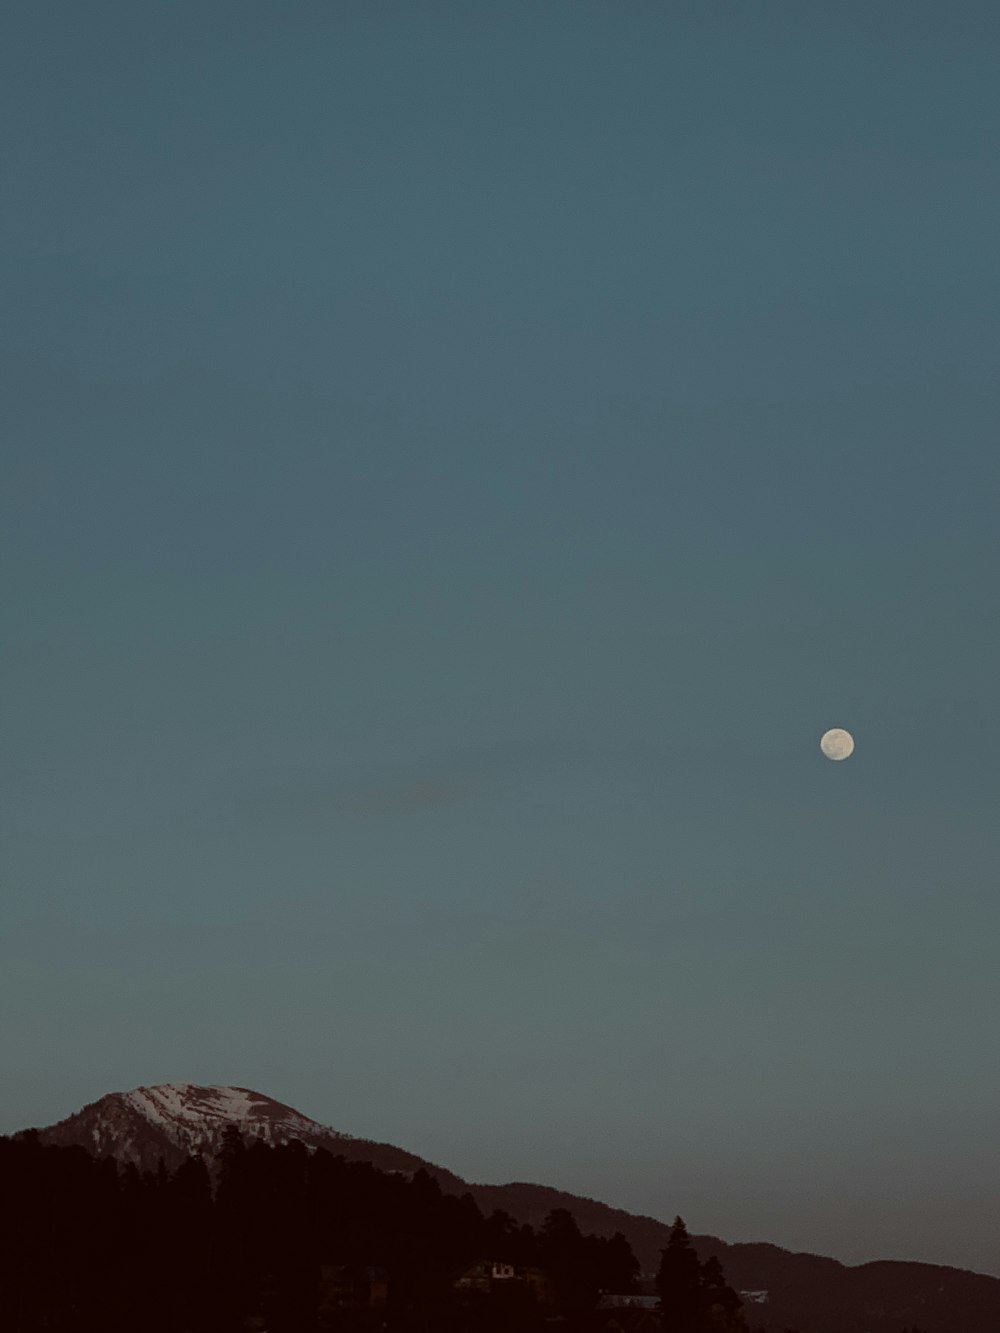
<point>781,1289</point>
<point>285,1240</point>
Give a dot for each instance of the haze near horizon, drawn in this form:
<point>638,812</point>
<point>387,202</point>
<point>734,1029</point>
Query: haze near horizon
<point>459,462</point>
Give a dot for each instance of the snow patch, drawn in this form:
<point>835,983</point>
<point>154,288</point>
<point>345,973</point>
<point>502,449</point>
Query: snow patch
<point>190,1111</point>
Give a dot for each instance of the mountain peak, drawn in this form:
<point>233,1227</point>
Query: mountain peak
<point>171,1121</point>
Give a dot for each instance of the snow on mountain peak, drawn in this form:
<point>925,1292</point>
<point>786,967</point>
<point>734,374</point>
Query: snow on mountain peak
<point>194,1104</point>
<point>190,1110</point>
<point>172,1120</point>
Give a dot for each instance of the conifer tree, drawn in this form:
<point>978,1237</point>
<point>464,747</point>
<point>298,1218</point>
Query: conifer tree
<point>678,1282</point>
<point>721,1305</point>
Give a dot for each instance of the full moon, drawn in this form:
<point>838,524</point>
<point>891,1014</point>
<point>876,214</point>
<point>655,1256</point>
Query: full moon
<point>837,743</point>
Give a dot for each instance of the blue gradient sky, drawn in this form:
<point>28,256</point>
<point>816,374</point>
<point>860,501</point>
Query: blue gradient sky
<point>459,458</point>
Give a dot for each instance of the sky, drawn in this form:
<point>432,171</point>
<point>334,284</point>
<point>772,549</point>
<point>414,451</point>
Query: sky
<point>458,459</point>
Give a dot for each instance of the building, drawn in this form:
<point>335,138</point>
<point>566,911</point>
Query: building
<point>483,1275</point>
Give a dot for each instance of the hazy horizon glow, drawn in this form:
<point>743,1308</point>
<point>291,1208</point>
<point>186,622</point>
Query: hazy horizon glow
<point>457,465</point>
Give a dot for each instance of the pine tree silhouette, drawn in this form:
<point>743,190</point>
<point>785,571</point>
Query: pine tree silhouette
<point>678,1282</point>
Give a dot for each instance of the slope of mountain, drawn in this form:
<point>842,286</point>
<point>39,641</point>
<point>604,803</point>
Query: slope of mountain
<point>532,1203</point>
<point>781,1289</point>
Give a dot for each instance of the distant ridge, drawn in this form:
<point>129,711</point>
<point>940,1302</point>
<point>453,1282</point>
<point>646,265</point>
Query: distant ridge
<point>781,1289</point>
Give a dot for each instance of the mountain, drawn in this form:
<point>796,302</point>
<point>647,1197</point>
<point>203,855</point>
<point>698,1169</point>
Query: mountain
<point>781,1289</point>
<point>175,1120</point>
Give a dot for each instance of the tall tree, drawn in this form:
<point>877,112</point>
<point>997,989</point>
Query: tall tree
<point>567,1258</point>
<point>721,1304</point>
<point>619,1268</point>
<point>678,1283</point>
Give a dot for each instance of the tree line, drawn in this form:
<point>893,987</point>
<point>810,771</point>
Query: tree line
<point>256,1242</point>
